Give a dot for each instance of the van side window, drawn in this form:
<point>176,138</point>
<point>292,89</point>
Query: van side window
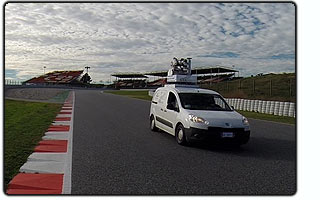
<point>159,97</point>
<point>162,96</point>
<point>156,97</point>
<point>172,100</point>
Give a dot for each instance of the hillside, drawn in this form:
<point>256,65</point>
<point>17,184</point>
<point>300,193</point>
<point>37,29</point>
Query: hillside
<point>277,87</point>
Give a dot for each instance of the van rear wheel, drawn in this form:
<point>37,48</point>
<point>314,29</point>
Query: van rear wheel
<point>180,135</point>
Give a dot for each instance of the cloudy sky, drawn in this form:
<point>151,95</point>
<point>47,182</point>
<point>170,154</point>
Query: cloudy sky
<point>254,37</point>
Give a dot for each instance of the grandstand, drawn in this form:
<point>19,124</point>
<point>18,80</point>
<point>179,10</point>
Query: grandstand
<point>157,83</point>
<point>215,78</point>
<point>205,75</point>
<point>56,78</point>
<point>130,80</point>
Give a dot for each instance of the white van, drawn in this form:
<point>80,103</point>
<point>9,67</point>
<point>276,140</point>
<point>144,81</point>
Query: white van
<point>190,113</point>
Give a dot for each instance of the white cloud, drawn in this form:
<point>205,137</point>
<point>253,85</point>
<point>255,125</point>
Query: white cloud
<point>128,37</point>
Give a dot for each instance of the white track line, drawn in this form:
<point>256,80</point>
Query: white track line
<point>67,175</point>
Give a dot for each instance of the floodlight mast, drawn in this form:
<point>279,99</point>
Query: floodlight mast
<point>87,67</point>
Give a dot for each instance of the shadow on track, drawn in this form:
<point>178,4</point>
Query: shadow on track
<point>261,148</point>
<point>257,147</point>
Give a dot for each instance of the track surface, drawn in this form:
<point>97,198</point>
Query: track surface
<point>114,152</point>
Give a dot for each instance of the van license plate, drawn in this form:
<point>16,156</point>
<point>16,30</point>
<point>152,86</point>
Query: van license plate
<point>227,134</point>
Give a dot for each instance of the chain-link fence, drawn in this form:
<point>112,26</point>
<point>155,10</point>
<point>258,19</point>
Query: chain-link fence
<point>278,88</point>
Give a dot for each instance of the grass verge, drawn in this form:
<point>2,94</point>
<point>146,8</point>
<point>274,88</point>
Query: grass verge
<point>268,117</point>
<point>144,95</point>
<point>133,94</point>
<point>60,97</point>
<point>270,87</point>
<point>25,124</point>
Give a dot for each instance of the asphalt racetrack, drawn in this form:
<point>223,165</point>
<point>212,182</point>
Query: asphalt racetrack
<point>115,152</point>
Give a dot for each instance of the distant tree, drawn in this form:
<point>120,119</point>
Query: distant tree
<point>86,78</point>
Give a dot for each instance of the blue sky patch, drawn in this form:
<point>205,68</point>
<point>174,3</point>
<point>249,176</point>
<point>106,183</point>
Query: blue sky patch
<point>283,57</point>
<point>10,73</point>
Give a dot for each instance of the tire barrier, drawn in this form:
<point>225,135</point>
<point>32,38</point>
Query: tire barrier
<point>286,109</point>
<point>276,108</point>
<point>272,107</point>
<point>269,107</point>
<point>263,106</point>
<point>241,104</point>
<point>259,106</point>
<point>255,106</point>
<point>232,101</point>
<point>248,105</point>
<point>281,106</point>
<point>245,103</point>
<point>291,112</point>
<point>237,104</point>
<point>251,105</point>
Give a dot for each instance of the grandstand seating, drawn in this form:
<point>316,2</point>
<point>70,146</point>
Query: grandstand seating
<point>131,83</point>
<point>56,77</point>
<point>158,82</point>
<point>204,76</point>
<point>215,79</point>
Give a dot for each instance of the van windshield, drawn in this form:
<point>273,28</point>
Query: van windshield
<point>201,101</point>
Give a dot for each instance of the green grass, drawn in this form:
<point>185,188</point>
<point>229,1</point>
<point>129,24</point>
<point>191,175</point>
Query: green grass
<point>133,94</point>
<point>25,123</point>
<point>60,97</point>
<point>281,119</point>
<point>283,87</point>
<point>144,95</point>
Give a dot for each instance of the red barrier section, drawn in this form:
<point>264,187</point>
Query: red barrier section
<point>66,109</point>
<point>59,128</point>
<point>54,146</point>
<point>36,184</point>
<point>64,112</point>
<point>63,119</point>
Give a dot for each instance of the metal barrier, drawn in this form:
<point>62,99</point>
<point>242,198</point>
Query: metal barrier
<point>12,82</point>
<point>267,107</point>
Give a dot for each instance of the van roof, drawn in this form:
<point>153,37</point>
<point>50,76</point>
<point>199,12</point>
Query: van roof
<point>186,89</point>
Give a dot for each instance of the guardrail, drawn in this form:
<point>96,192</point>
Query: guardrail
<point>12,82</point>
<point>268,107</point>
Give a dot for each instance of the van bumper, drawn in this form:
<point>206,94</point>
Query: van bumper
<point>240,136</point>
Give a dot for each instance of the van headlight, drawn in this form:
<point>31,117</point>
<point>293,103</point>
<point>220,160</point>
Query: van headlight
<point>245,121</point>
<point>196,119</point>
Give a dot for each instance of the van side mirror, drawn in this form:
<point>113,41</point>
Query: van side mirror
<point>232,107</point>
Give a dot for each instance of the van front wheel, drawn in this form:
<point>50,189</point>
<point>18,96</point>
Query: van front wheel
<point>180,135</point>
<point>153,124</point>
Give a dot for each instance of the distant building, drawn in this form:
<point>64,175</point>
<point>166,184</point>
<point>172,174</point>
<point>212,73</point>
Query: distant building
<point>57,78</point>
<point>205,75</point>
